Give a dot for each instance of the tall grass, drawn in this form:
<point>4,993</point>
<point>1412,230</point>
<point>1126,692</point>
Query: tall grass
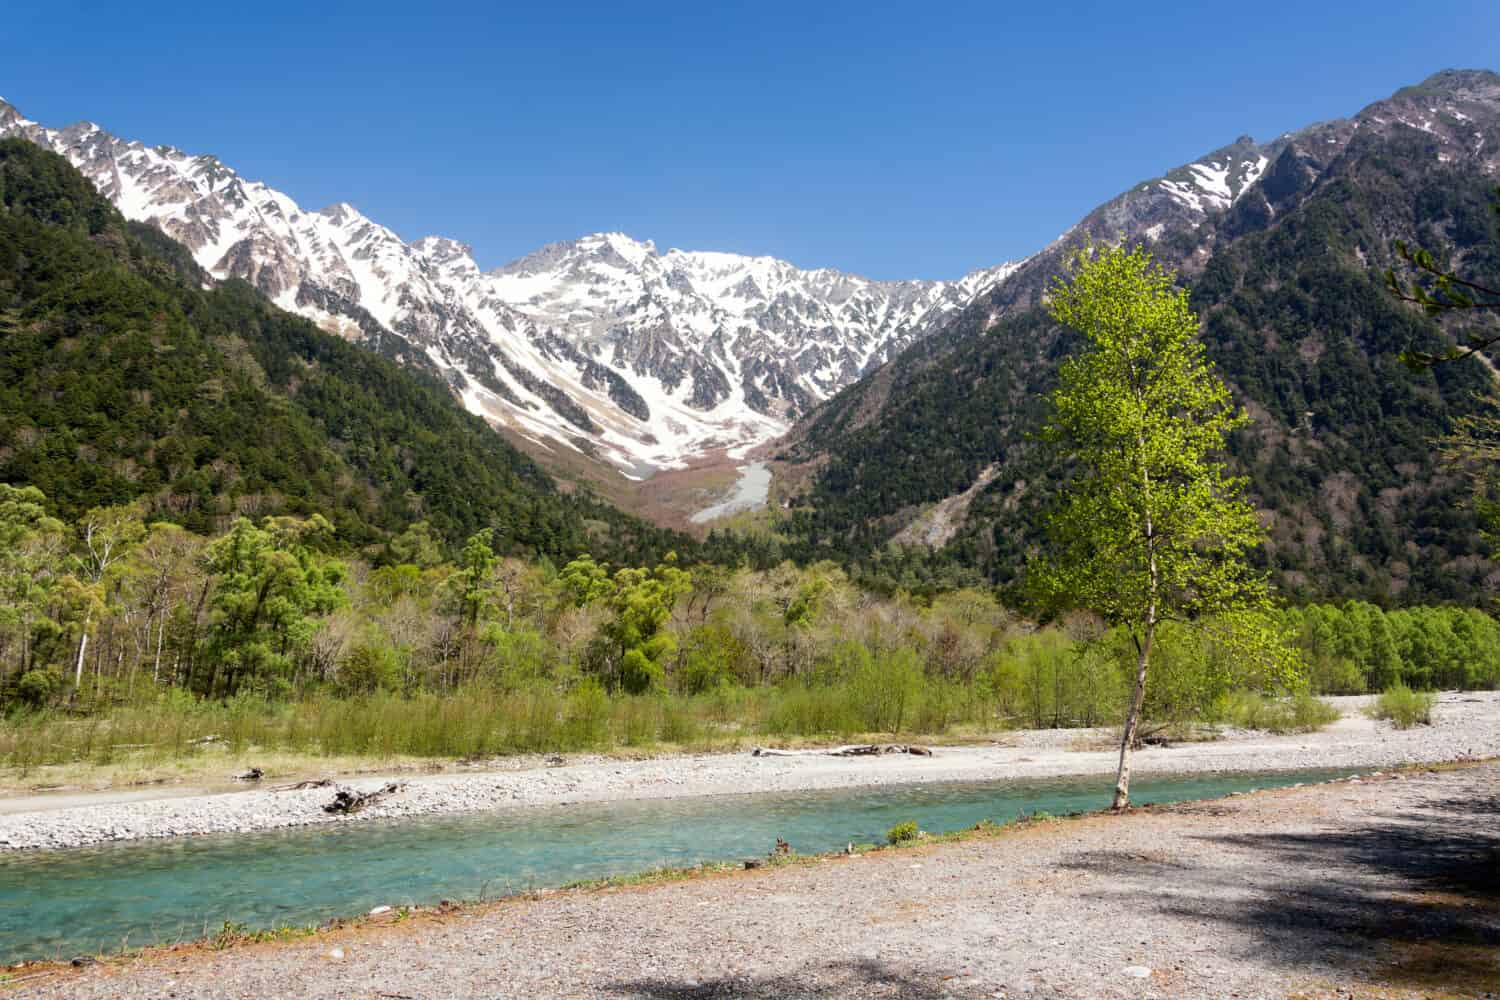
<point>482,720</point>
<point>1403,707</point>
<point>1298,713</point>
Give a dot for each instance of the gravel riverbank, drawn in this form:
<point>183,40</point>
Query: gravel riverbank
<point>1381,887</point>
<point>1465,726</point>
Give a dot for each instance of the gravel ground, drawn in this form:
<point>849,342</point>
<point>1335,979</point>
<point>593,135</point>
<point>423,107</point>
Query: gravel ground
<point>1383,887</point>
<point>1466,725</point>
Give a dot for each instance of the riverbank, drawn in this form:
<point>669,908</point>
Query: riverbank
<point>1465,725</point>
<point>1383,886</point>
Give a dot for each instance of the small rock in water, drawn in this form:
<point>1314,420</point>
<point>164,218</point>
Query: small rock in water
<point>1137,972</point>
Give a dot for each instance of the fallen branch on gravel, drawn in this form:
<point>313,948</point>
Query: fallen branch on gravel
<point>299,786</point>
<point>347,801</point>
<point>853,750</point>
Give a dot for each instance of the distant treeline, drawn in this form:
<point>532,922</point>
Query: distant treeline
<point>111,608</point>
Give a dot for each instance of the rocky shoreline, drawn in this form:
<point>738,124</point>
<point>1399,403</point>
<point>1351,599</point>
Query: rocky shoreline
<point>1316,891</point>
<point>1465,726</point>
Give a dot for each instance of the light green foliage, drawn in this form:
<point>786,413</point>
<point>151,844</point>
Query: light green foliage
<point>1195,665</point>
<point>585,581</point>
<point>475,588</point>
<point>1403,707</point>
<point>1044,679</point>
<point>36,687</point>
<point>29,544</point>
<point>389,584</point>
<point>417,546</point>
<point>106,535</point>
<point>887,688</point>
<point>270,586</point>
<point>711,656</point>
<point>636,643</point>
<point>373,664</point>
<point>902,833</point>
<point>1298,713</point>
<point>793,652</point>
<point>1357,647</point>
<point>520,654</point>
<point>802,609</point>
<point>1151,528</point>
<point>586,717</point>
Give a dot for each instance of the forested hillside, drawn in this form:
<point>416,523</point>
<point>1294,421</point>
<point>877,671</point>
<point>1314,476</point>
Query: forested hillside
<point>125,376</point>
<point>1341,451</point>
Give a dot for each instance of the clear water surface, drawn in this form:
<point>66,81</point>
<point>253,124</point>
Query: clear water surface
<point>58,904</point>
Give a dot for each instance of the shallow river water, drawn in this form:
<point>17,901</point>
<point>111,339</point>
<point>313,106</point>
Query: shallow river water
<point>58,904</point>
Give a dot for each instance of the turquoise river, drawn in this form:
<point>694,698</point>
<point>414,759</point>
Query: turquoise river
<point>64,903</point>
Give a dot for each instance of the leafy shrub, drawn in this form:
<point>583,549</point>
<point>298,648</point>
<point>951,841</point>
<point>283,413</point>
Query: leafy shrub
<point>902,833</point>
<point>372,665</point>
<point>36,687</point>
<point>711,657</point>
<point>1300,713</point>
<point>1404,708</point>
<point>1335,675</point>
<point>886,690</point>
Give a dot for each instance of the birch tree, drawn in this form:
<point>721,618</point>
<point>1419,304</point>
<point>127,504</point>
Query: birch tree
<point>1151,528</point>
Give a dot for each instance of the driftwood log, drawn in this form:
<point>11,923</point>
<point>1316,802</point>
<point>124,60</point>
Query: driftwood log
<point>347,801</point>
<point>300,785</point>
<point>853,750</point>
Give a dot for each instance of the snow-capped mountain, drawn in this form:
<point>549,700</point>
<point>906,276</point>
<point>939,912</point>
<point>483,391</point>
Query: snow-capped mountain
<point>1184,214</point>
<point>601,344</point>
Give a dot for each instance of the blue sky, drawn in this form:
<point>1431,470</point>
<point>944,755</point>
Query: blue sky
<point>919,140</point>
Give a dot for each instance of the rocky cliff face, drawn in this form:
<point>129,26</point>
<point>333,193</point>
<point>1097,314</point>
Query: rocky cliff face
<point>601,344</point>
<point>1245,186</point>
<point>1281,246</point>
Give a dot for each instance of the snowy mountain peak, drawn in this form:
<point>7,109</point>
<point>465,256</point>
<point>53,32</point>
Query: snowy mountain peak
<point>1216,181</point>
<point>601,344</point>
<point>341,213</point>
<point>442,250</point>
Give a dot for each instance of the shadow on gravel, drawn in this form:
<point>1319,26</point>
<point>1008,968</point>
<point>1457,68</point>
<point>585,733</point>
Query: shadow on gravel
<point>839,979</point>
<point>1413,898</point>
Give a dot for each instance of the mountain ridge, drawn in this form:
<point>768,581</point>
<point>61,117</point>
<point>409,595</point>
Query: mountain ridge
<point>1286,279</point>
<point>126,377</point>
<point>601,345</point>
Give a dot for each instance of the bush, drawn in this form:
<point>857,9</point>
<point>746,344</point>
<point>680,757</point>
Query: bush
<point>373,665</point>
<point>1335,675</point>
<point>886,690</point>
<point>1404,708</point>
<point>1300,713</point>
<point>36,687</point>
<point>712,656</point>
<point>902,833</point>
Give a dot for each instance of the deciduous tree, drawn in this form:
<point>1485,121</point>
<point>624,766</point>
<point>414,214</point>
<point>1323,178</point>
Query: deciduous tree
<point>1151,528</point>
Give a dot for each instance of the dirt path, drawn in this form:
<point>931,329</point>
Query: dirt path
<point>1382,887</point>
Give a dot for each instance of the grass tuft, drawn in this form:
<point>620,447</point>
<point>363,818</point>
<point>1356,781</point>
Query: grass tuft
<point>1402,707</point>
